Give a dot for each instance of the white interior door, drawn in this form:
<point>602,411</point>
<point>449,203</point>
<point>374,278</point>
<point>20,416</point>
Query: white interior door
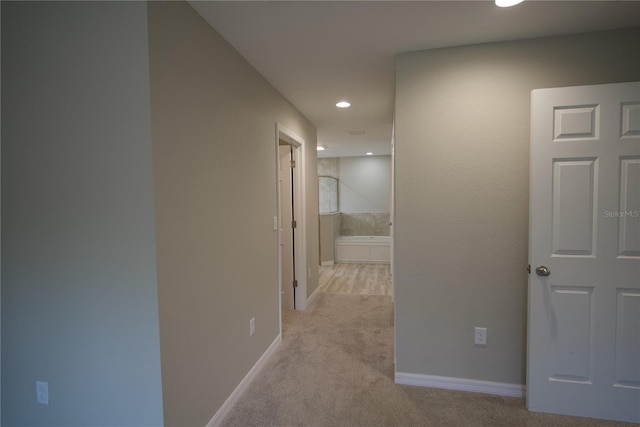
<point>584,317</point>
<point>286,232</point>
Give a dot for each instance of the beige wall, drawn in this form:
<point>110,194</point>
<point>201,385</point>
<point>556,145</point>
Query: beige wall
<point>462,181</point>
<point>79,295</point>
<point>214,154</point>
<point>329,230</point>
<point>86,268</point>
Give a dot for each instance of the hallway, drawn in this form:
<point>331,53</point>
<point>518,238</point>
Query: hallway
<point>335,367</point>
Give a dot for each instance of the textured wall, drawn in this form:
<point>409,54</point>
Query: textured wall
<point>214,156</point>
<point>328,194</point>
<point>329,166</point>
<point>462,181</point>
<point>364,224</point>
<point>79,295</point>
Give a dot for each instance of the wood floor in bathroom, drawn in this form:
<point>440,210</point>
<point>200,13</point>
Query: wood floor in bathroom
<point>361,279</point>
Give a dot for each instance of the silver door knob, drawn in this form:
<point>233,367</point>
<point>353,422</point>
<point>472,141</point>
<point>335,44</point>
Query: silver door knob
<point>543,271</point>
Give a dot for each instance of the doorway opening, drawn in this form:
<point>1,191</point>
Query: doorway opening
<point>291,222</point>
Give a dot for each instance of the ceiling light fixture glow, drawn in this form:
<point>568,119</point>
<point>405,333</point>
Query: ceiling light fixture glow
<point>343,104</point>
<point>369,153</point>
<point>507,3</point>
<point>321,147</point>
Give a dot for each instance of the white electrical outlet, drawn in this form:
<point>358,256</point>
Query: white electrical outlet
<point>42,392</point>
<point>481,336</point>
<point>252,326</point>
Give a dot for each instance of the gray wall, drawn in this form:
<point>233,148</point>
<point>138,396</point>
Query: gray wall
<point>79,296</point>
<point>462,181</point>
<point>215,195</point>
<point>365,184</point>
<point>365,195</point>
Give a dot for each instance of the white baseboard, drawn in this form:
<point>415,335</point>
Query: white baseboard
<point>244,384</point>
<point>313,295</point>
<point>461,384</point>
<point>327,263</point>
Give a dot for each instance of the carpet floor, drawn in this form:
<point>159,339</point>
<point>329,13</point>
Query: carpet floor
<point>334,367</point>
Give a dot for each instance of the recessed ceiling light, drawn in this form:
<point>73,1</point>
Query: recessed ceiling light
<point>369,153</point>
<point>321,147</point>
<point>507,3</point>
<point>343,104</point>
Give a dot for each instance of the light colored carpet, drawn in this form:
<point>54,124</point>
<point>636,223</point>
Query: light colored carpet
<point>335,368</point>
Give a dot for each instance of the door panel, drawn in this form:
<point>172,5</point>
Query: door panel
<point>576,123</point>
<point>627,373</point>
<point>630,124</point>
<point>574,193</point>
<point>584,317</point>
<point>629,246</point>
<point>571,347</point>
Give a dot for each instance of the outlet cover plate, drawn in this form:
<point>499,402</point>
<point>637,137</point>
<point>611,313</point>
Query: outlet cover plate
<point>42,392</point>
<point>481,336</point>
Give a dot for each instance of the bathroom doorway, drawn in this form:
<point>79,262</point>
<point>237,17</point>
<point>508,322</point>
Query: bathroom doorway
<point>291,224</point>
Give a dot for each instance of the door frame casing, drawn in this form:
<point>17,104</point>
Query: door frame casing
<point>300,240</point>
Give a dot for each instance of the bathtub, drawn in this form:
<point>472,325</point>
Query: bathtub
<point>363,249</point>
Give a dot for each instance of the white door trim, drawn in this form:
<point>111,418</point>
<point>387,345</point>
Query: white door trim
<point>284,134</point>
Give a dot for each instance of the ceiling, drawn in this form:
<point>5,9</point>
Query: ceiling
<point>316,53</point>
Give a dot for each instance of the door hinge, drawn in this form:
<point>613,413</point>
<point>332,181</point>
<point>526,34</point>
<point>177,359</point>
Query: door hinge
<point>294,224</point>
<point>529,269</point>
<point>293,163</point>
<point>295,283</point>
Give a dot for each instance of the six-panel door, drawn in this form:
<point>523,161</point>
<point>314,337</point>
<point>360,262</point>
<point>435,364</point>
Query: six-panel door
<point>584,317</point>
